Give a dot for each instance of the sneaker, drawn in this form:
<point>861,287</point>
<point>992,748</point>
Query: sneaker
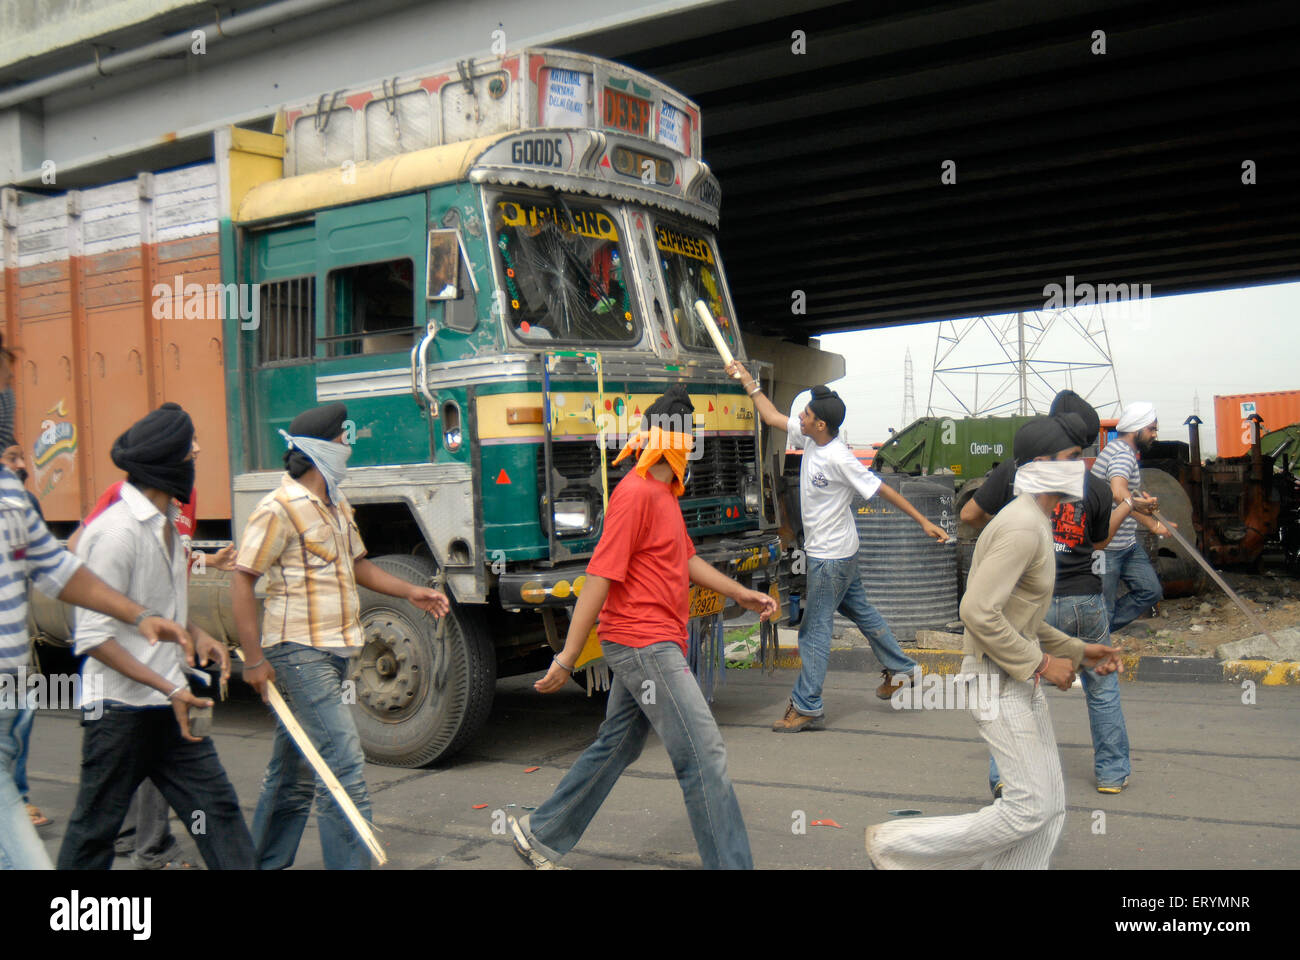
<point>893,681</point>
<point>793,721</point>
<point>1112,787</point>
<point>526,851</point>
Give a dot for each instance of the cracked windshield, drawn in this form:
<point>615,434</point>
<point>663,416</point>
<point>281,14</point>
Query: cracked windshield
<point>563,267</point>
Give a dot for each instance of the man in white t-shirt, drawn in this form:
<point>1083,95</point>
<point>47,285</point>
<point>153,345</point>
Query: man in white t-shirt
<point>828,477</point>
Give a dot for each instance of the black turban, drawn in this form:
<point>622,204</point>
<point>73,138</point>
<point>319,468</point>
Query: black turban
<point>1048,436</point>
<point>674,404</point>
<point>826,405</point>
<point>323,423</point>
<point>1067,401</point>
<point>155,451</point>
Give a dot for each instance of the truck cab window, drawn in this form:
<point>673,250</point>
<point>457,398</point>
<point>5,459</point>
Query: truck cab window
<point>564,273</point>
<point>690,273</point>
<point>372,308</point>
<point>286,320</point>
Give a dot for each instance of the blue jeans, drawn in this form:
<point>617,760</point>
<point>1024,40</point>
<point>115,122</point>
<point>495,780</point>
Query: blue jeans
<point>1133,566</point>
<point>1085,617</point>
<point>20,847</point>
<point>837,585</point>
<point>311,681</point>
<point>652,686</point>
<point>23,731</point>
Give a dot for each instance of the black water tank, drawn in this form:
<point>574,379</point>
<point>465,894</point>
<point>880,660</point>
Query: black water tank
<point>909,577</point>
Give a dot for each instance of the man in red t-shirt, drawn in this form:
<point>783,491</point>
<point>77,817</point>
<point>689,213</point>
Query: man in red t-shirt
<point>638,581</point>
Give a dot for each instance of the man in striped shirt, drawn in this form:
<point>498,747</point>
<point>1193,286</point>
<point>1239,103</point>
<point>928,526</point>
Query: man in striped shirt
<point>28,552</point>
<point>303,538</point>
<point>1125,558</point>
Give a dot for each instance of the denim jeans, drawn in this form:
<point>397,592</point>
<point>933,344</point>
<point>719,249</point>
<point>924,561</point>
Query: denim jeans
<point>119,750</point>
<point>1133,566</point>
<point>837,585</point>
<point>1085,617</point>
<point>20,847</point>
<point>147,834</point>
<point>652,686</point>
<point>23,731</point>
<point>311,681</point>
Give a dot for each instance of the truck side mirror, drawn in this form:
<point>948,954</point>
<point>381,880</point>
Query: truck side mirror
<point>443,278</point>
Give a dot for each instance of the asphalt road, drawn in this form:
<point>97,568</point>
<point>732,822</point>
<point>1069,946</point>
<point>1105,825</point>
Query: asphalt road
<point>1214,782</point>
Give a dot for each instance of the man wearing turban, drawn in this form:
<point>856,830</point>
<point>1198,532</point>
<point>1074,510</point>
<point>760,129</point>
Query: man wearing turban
<point>1009,647</point>
<point>638,581</point>
<point>829,475</point>
<point>136,693</point>
<point>1081,531</point>
<point>303,538</point>
<point>1124,558</point>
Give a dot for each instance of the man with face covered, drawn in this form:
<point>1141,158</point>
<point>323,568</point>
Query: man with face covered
<point>136,694</point>
<point>638,583</point>
<point>1081,530</point>
<point>1125,558</point>
<point>1009,649</point>
<point>303,538</point>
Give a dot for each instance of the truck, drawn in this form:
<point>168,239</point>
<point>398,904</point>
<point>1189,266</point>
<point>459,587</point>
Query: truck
<point>494,265</point>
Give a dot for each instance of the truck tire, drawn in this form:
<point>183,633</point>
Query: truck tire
<point>418,701</point>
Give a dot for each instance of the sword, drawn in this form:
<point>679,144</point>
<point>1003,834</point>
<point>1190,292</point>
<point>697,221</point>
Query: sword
<point>1214,574</point>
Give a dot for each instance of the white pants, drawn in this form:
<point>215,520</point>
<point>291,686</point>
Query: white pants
<point>1018,831</point>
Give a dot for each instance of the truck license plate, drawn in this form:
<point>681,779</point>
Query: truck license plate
<point>705,602</point>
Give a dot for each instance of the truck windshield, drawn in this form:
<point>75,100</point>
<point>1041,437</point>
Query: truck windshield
<point>690,273</point>
<point>563,265</point>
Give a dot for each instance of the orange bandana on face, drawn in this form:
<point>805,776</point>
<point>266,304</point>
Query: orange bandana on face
<point>657,444</point>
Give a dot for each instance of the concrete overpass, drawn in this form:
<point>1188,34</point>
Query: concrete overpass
<point>1104,140</point>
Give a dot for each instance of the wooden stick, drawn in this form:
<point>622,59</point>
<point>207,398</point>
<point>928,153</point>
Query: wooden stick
<point>323,770</point>
<point>707,319</point>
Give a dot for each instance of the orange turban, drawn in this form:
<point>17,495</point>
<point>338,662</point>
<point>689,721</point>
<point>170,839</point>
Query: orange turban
<point>657,444</point>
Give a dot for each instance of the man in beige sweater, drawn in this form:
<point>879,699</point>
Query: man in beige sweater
<point>1009,648</point>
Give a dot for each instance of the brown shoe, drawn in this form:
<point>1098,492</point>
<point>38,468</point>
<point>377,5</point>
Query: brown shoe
<point>893,681</point>
<point>794,721</point>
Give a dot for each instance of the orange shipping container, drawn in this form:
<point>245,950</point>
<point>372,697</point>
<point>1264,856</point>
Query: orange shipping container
<point>1232,424</point>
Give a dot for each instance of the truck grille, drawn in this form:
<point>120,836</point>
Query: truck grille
<point>720,472</point>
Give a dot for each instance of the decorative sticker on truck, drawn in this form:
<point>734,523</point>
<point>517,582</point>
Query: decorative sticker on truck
<point>54,448</point>
<point>671,241</point>
<point>533,216</point>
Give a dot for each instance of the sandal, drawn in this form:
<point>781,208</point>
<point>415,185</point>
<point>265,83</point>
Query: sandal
<point>38,819</point>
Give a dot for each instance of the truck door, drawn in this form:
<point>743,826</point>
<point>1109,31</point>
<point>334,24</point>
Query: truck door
<point>342,300</point>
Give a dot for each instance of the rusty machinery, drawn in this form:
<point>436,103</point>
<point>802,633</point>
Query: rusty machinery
<point>1239,506</point>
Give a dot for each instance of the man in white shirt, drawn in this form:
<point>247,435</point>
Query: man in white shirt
<point>138,711</point>
<point>828,477</point>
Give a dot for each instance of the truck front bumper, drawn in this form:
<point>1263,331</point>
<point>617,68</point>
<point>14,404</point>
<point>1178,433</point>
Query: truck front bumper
<point>752,559</point>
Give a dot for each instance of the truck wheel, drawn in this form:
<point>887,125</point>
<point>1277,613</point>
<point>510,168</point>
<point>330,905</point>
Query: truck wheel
<point>419,700</point>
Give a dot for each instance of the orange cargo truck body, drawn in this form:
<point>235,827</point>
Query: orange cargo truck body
<point>103,301</point>
<point>1232,423</point>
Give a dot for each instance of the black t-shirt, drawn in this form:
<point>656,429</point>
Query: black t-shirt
<point>1075,526</point>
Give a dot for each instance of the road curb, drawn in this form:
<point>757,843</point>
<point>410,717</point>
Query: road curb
<point>1150,669</point>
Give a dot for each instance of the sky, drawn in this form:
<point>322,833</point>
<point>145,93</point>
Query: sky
<point>1166,350</point>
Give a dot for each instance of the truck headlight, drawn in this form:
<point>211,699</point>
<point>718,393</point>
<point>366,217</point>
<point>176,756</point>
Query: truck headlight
<point>752,494</point>
<point>573,515</point>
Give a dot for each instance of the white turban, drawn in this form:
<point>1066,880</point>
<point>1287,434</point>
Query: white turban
<point>1136,416</point>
